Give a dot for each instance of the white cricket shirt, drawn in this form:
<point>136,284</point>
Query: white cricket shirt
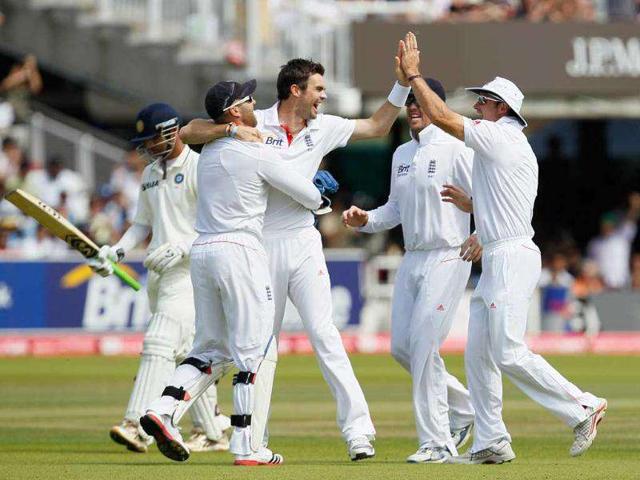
<point>234,179</point>
<point>303,155</point>
<point>418,172</point>
<point>168,205</point>
<point>505,178</point>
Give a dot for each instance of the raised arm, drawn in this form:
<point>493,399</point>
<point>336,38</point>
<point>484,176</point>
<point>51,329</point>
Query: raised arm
<point>379,124</point>
<point>199,131</point>
<point>288,181</point>
<point>437,111</point>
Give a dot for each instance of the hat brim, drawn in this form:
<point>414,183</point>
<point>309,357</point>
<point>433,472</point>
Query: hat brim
<point>481,90</point>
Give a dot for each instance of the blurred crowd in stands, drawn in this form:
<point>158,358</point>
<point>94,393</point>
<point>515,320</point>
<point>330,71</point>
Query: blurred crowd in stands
<point>529,10</point>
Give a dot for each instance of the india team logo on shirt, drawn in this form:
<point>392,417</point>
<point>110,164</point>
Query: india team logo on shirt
<point>179,178</point>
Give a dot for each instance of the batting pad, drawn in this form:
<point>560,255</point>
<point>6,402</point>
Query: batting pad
<point>262,393</point>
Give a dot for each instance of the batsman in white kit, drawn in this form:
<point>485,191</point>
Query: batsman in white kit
<point>232,285</point>
<point>432,277</point>
<point>505,182</point>
<point>166,209</point>
<point>302,136</point>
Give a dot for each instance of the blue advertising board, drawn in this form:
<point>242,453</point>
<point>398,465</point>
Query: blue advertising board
<point>59,295</point>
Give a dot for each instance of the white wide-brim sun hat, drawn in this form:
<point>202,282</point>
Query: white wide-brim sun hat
<point>507,91</point>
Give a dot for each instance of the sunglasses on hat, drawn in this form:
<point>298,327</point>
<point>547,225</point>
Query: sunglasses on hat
<point>240,101</point>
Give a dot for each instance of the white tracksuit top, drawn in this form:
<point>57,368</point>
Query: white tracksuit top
<point>419,170</point>
<point>505,178</point>
<point>233,186</point>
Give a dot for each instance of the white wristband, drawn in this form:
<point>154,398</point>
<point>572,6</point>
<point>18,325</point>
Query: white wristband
<point>398,95</point>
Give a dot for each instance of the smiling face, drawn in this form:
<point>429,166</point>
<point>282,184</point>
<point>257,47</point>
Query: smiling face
<point>490,109</point>
<point>417,119</point>
<point>312,97</point>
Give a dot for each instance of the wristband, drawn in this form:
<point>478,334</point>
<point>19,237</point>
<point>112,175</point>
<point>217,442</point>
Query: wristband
<point>413,77</point>
<point>398,95</point>
<point>233,131</point>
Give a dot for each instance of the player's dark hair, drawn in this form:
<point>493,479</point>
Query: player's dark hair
<point>296,72</point>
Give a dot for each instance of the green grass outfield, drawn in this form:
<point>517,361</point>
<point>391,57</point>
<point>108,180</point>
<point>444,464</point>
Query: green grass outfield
<point>55,414</point>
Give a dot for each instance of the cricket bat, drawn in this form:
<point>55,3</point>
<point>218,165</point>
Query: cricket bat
<point>62,228</point>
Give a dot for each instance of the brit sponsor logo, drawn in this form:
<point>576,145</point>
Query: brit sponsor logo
<point>274,142</point>
<point>403,170</point>
<point>6,297</point>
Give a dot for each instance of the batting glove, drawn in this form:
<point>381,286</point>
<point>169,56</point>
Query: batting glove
<point>325,183</point>
<point>164,257</point>
<point>101,262</point>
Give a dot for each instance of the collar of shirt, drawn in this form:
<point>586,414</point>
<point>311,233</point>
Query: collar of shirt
<point>431,134</point>
<point>510,121</point>
<point>174,162</point>
<point>271,119</point>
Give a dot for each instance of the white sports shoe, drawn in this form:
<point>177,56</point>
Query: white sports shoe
<point>461,436</point>
<point>199,442</point>
<point>167,436</point>
<point>127,434</point>
<point>264,457</point>
<point>587,430</point>
<point>430,455</point>
<point>501,452</point>
<point>360,448</point>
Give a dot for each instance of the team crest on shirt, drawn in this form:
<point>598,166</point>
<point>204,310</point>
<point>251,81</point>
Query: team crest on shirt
<point>431,170</point>
<point>403,170</point>
<point>179,178</point>
<point>308,142</point>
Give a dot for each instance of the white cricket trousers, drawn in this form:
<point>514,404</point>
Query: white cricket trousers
<point>427,290</point>
<point>233,299</point>
<point>495,345</point>
<point>299,270</point>
<point>234,312</point>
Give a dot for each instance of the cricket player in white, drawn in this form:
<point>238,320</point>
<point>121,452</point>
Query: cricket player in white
<point>232,286</point>
<point>166,209</point>
<point>303,136</point>
<point>432,277</point>
<point>505,181</point>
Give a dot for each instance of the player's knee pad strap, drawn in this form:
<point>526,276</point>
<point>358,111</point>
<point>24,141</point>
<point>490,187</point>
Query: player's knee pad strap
<point>247,378</point>
<point>177,393</point>
<point>240,421</point>
<point>201,365</point>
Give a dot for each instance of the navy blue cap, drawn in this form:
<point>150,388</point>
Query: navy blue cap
<point>223,94</point>
<point>434,85</point>
<point>150,119</point>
